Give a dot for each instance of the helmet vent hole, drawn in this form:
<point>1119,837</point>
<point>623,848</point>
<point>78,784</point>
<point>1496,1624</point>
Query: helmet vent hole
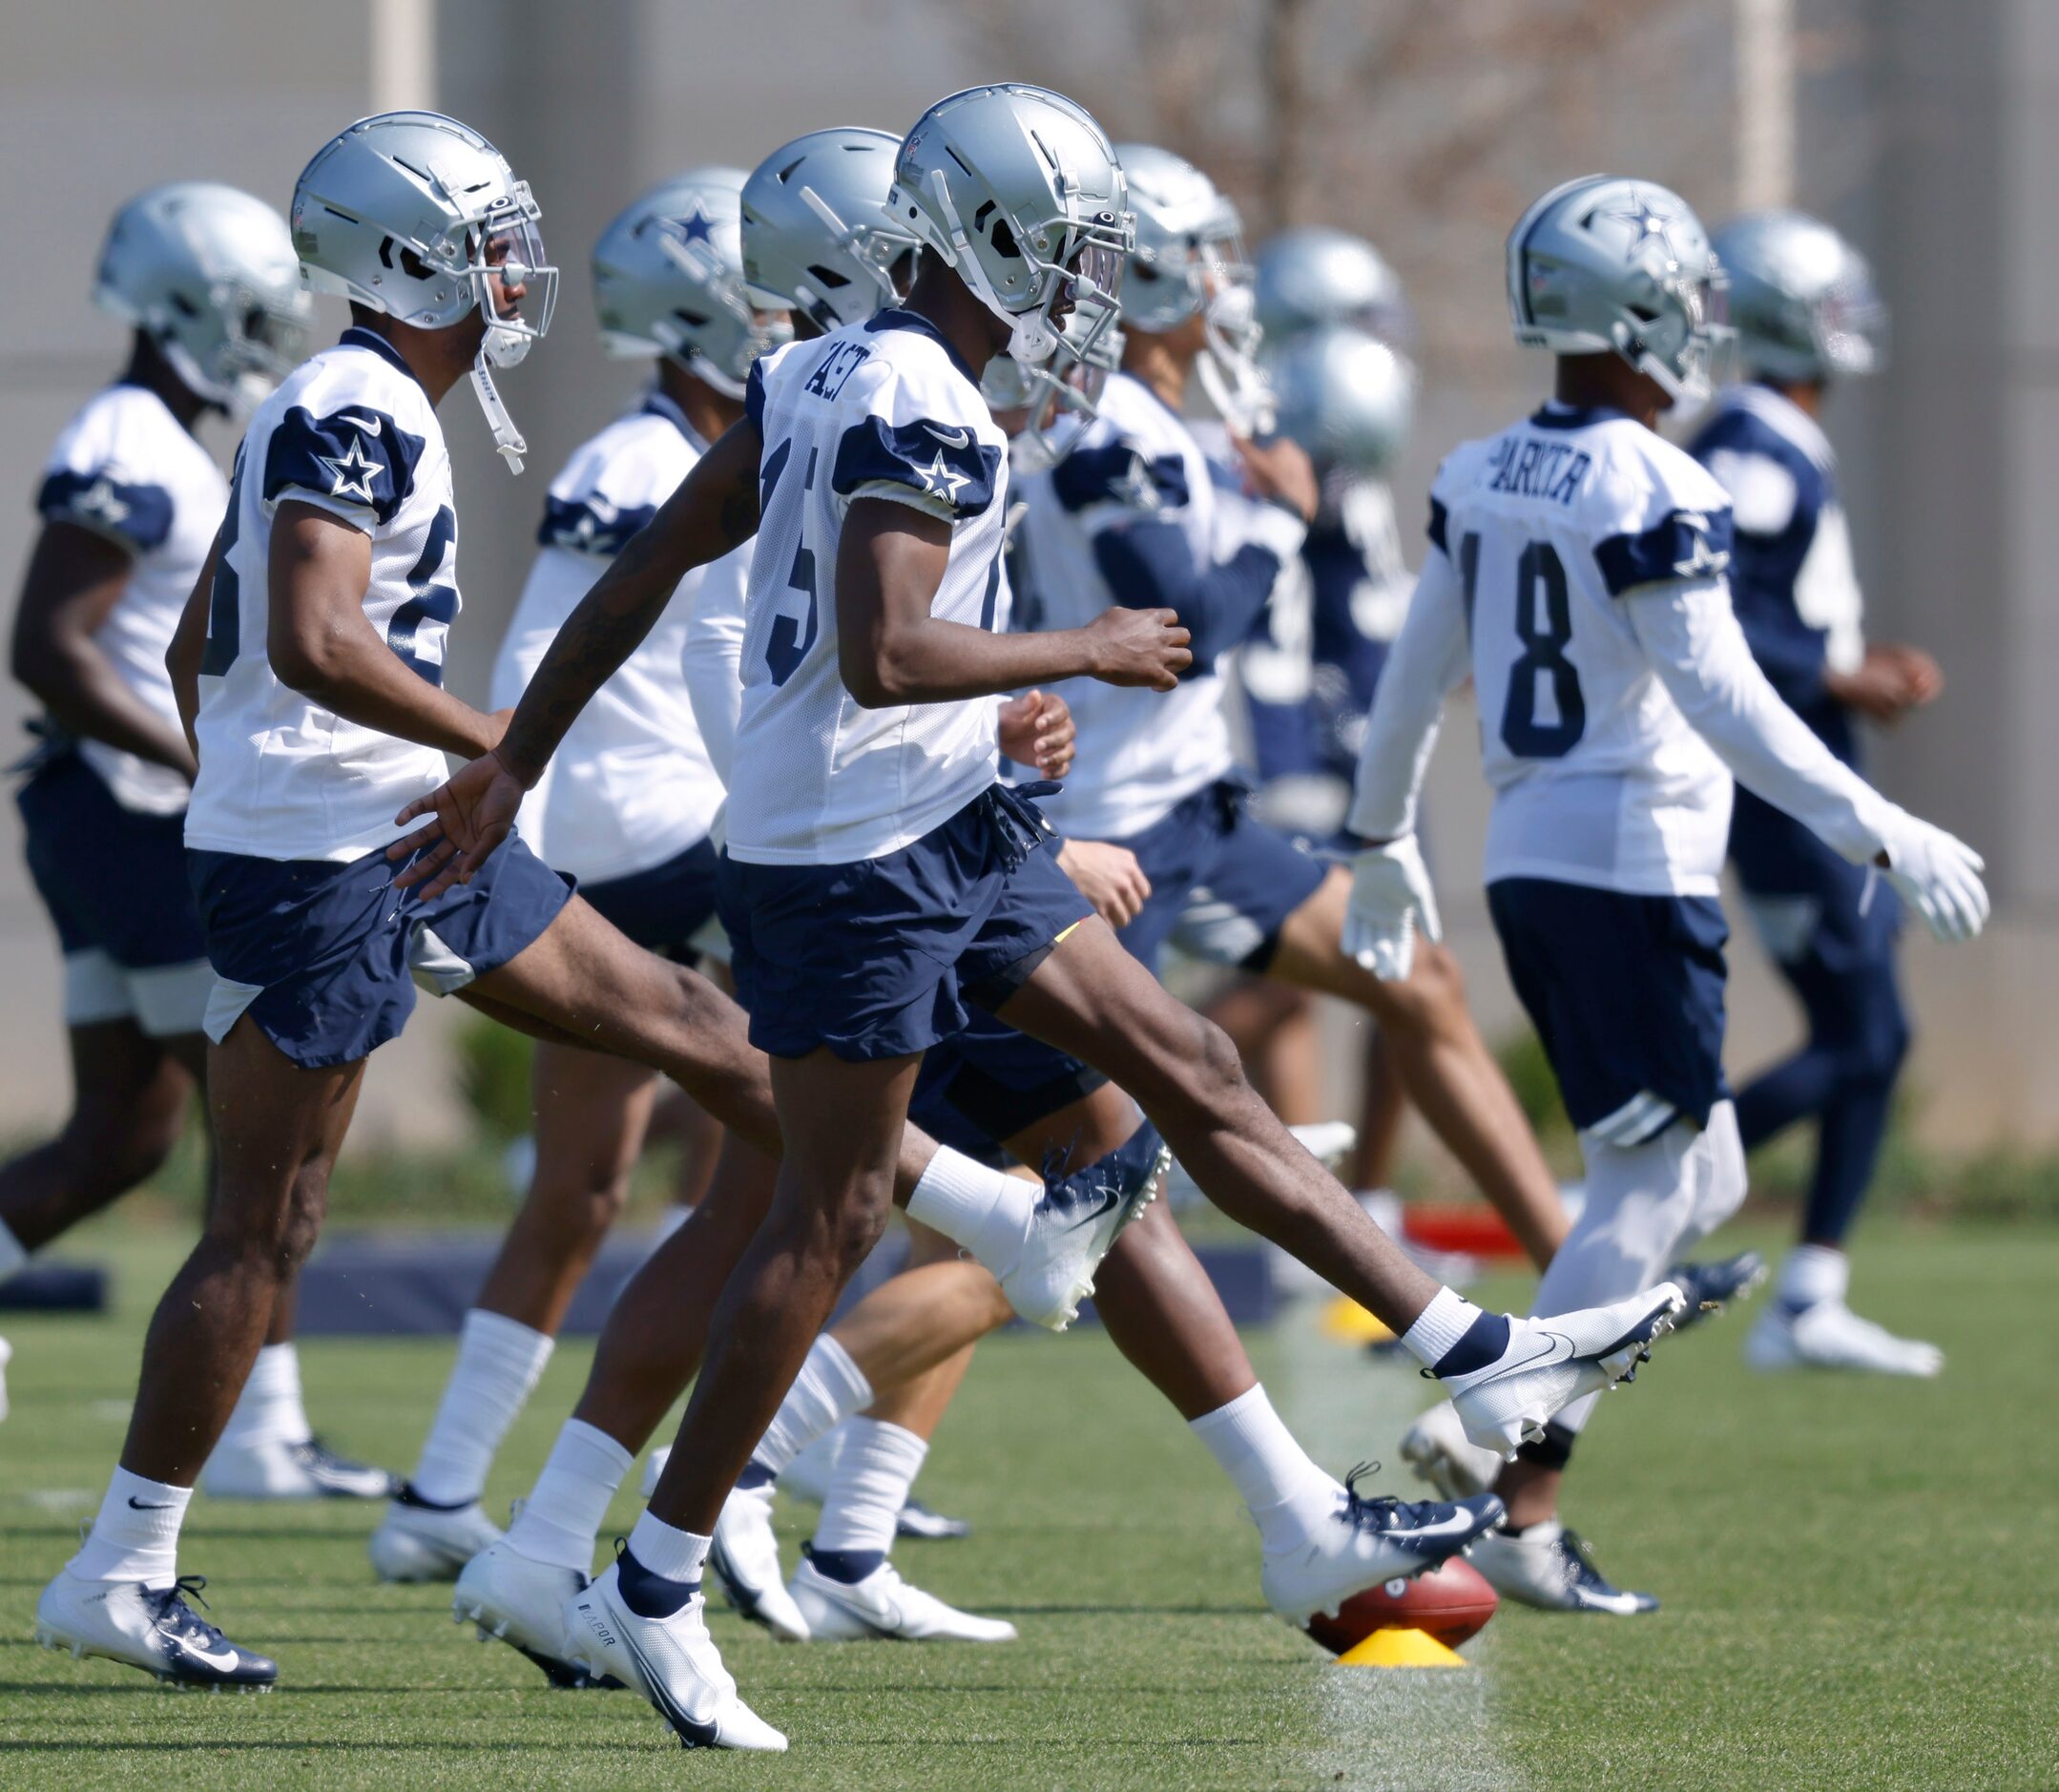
<point>1644,314</point>
<point>414,266</point>
<point>826,278</point>
<point>959,159</point>
<point>184,305</point>
<point>1003,239</point>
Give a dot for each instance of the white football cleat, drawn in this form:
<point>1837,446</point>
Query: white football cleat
<point>418,1541</point>
<point>1830,1336</point>
<point>744,1555</point>
<point>269,1469</point>
<point>524,1604</point>
<point>1552,1568</point>
<point>1550,1363</point>
<point>671,1660</point>
<point>1371,1541</point>
<point>1438,1449</point>
<point>149,1628</point>
<point>885,1606</point>
<point>1075,1225</point>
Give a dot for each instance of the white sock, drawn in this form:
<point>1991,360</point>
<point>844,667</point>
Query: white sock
<point>11,1255</point>
<point>1812,1274</point>
<point>1438,1326</point>
<point>666,1551</point>
<point>560,1520</point>
<point>984,1210</point>
<point>135,1537</point>
<point>269,1409</point>
<point>1285,1493</point>
<point>499,1359</point>
<point>875,1470</point>
<point>828,1389</point>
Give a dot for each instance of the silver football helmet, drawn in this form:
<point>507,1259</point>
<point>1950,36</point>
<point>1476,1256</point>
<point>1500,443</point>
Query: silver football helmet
<point>817,235</point>
<point>1344,396</point>
<point>1189,261</point>
<point>1312,276</point>
<point>417,215</point>
<point>208,274</point>
<point>1019,189</point>
<point>1607,266</point>
<point>1801,299</point>
<point>668,280</point>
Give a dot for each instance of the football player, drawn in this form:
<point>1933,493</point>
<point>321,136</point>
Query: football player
<point>876,878</point>
<point>1577,571</point>
<point>1803,302</point>
<point>307,666</point>
<point>205,277</point>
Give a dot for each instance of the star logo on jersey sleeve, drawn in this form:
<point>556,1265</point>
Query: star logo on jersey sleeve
<point>99,499</point>
<point>1136,487</point>
<point>353,471</point>
<point>940,481</point>
<point>1703,558</point>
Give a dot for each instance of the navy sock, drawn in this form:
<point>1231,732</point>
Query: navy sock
<point>1485,1339</point>
<point>649,1595</point>
<point>755,1475</point>
<point>848,1566</point>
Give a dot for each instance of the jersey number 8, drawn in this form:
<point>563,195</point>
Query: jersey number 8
<point>1544,625</point>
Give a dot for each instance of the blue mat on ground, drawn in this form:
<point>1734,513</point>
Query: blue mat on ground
<point>399,1285</point>
<point>55,1289</point>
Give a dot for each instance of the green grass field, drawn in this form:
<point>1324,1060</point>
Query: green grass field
<point>1858,1582</point>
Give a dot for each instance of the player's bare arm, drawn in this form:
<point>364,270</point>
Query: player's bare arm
<point>891,651</point>
<point>74,579</point>
<point>713,509</point>
<point>189,645</point>
<point>323,645</point>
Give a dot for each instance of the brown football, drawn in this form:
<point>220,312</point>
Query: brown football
<point>1452,1603</point>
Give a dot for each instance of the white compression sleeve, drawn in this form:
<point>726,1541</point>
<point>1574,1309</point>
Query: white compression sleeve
<point>1429,658</point>
<point>1690,633</point>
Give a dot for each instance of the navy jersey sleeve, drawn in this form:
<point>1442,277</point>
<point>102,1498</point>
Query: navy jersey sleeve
<point>355,457</point>
<point>1151,566</point>
<point>136,516</point>
<point>943,465</point>
<point>1119,472</point>
<point>591,524</point>
<point>1682,544</point>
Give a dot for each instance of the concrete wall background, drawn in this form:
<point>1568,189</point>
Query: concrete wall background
<point>1925,131</point>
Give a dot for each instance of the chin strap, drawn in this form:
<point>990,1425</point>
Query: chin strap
<point>507,440</point>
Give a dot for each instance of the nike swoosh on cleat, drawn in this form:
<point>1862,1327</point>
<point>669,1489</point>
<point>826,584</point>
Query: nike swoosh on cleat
<point>1549,1354</point>
<point>954,438</point>
<point>226,1663</point>
<point>692,1730</point>
<point>1455,1526</point>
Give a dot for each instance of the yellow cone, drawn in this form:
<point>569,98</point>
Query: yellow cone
<point>1400,1649</point>
<point>1348,1323</point>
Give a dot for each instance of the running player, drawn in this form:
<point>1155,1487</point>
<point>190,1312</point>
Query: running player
<point>1577,572</point>
<point>205,277</point>
<point>307,667</point>
<point>1806,314</point>
<point>876,878</point>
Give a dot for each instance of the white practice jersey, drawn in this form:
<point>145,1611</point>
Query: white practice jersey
<point>126,468</point>
<point>1598,778</point>
<point>880,409</point>
<point>629,785</point>
<point>350,432</point>
<point>1136,492</point>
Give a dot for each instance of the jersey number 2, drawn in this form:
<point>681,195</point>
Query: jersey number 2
<point>1544,625</point>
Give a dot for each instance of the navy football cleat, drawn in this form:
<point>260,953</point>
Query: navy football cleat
<point>1710,1288</point>
<point>1372,1541</point>
<point>1077,1224</point>
<point>152,1628</point>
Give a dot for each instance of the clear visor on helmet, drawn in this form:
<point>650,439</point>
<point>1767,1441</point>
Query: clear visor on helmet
<point>510,270</point>
<point>1708,356</point>
<point>1084,305</point>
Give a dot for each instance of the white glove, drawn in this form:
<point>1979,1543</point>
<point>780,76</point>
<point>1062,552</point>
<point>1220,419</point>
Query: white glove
<point>1937,876</point>
<point>1390,897</point>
